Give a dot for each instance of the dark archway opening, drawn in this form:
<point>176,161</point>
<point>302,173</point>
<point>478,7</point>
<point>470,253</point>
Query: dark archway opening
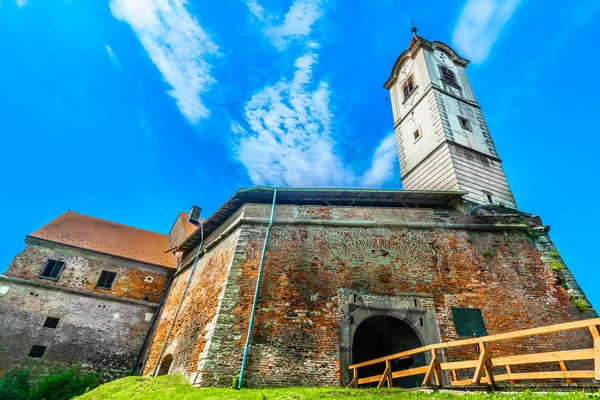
<point>381,336</point>
<point>165,365</point>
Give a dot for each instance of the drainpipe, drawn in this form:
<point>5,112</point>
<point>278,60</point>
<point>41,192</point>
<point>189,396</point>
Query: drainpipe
<point>260,268</point>
<point>187,283</point>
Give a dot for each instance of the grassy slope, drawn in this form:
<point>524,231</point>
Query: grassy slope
<point>177,387</point>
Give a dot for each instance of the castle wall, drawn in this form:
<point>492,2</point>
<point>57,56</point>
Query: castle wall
<point>197,319</point>
<point>136,281</point>
<point>311,271</point>
<point>101,332</point>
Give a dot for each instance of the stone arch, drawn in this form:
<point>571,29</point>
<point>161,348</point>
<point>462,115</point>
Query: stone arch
<point>357,308</point>
<point>165,365</point>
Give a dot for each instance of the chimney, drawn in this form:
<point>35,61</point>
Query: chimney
<point>195,215</point>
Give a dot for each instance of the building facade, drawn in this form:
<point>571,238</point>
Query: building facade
<point>346,275</point>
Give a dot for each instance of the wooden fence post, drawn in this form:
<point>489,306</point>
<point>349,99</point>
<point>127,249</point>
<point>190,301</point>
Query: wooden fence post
<point>483,364</point>
<point>596,336</point>
<point>434,370</point>
<point>387,375</point>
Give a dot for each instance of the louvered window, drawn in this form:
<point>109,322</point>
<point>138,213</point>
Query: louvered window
<point>51,322</point>
<point>448,76</point>
<point>37,351</point>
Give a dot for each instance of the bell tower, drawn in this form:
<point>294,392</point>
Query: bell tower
<point>443,141</point>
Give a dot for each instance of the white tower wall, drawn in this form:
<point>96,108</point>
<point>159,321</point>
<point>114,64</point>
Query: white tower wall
<point>443,141</point>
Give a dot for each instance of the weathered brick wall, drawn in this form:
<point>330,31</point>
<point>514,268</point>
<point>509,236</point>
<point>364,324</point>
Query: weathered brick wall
<point>194,326</point>
<point>82,270</point>
<point>296,337</point>
<point>105,334</point>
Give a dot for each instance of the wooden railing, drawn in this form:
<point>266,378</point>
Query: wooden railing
<point>485,361</point>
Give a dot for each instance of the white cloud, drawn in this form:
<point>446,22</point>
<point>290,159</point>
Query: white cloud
<point>286,139</point>
<point>177,45</point>
<point>479,26</point>
<point>256,9</point>
<point>112,56</point>
<point>297,22</point>
<point>21,3</point>
<point>384,161</point>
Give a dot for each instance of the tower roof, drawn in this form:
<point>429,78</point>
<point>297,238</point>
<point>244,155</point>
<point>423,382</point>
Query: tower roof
<point>102,236</point>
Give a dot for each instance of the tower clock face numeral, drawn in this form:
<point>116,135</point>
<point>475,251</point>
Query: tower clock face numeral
<point>405,68</point>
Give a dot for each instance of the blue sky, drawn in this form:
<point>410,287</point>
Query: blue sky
<point>134,110</point>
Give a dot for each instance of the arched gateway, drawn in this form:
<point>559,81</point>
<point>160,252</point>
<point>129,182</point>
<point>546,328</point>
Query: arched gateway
<point>374,325</point>
<point>381,336</point>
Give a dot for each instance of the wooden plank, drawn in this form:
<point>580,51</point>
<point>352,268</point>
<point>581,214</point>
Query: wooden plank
<point>410,372</point>
<point>370,379</point>
<point>480,364</point>
<point>454,376</point>
<point>354,382</point>
<point>563,367</point>
<point>523,333</point>
<point>459,365</point>
<point>431,369</point>
<point>594,332</point>
<point>545,375</point>
<point>508,371</point>
<point>468,382</point>
<point>391,357</point>
<point>385,377</point>
<point>552,356</point>
<point>597,358</point>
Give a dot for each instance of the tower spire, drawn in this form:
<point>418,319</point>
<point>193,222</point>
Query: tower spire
<point>414,28</point>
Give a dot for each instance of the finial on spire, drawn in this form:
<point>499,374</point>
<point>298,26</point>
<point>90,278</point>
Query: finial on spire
<point>414,28</point>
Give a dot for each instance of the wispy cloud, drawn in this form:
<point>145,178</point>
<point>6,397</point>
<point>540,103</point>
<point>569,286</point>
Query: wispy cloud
<point>286,139</point>
<point>21,3</point>
<point>296,23</point>
<point>384,162</point>
<point>177,45</point>
<point>479,26</point>
<point>112,56</point>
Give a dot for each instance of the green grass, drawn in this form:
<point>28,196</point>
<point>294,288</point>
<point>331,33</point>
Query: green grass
<point>177,387</point>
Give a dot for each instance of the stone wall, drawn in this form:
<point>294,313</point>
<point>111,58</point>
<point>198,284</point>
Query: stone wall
<point>310,267</point>
<point>106,334</point>
<point>82,269</point>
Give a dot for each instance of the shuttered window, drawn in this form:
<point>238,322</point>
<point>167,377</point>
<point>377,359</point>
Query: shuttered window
<point>106,279</point>
<point>52,269</point>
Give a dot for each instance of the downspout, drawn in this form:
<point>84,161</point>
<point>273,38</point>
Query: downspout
<point>260,268</point>
<point>187,283</point>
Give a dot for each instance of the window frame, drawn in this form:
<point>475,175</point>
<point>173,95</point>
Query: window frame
<point>418,136</point>
<point>48,261</point>
<point>37,351</point>
<point>409,84</point>
<point>51,322</point>
<point>448,77</point>
<point>464,123</point>
<point>112,282</point>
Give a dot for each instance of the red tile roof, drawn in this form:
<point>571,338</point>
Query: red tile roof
<point>107,237</point>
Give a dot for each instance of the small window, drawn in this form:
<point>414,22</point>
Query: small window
<point>448,76</point>
<point>37,351</point>
<point>52,269</point>
<point>417,135</point>
<point>51,322</point>
<point>408,87</point>
<point>489,197</point>
<point>468,322</point>
<point>464,123</point>
<point>106,279</point>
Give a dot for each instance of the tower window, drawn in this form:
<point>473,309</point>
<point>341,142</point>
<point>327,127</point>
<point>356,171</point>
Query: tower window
<point>417,135</point>
<point>51,322</point>
<point>448,76</point>
<point>489,198</point>
<point>408,87</point>
<point>468,321</point>
<point>106,279</point>
<point>464,123</point>
<point>52,269</point>
<point>37,351</point>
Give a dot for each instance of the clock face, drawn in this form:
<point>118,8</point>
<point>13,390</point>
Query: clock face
<point>406,68</point>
